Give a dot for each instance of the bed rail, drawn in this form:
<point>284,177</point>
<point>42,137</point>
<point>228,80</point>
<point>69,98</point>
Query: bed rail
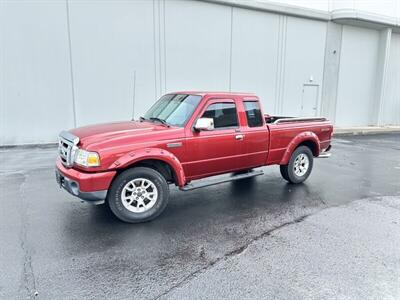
<point>287,120</point>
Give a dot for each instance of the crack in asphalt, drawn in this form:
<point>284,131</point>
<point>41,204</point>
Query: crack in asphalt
<point>241,249</point>
<point>28,276</point>
<point>234,252</point>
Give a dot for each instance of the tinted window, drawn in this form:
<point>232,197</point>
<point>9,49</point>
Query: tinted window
<point>224,115</point>
<point>175,109</point>
<point>253,113</point>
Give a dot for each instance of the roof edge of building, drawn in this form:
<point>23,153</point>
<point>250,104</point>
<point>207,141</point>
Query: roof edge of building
<point>358,17</point>
<point>342,16</point>
<point>275,8</point>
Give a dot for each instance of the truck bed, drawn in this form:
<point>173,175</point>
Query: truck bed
<point>283,130</point>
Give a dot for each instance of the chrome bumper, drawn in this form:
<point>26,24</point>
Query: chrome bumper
<point>72,187</point>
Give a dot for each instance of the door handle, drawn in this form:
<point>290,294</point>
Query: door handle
<point>239,137</point>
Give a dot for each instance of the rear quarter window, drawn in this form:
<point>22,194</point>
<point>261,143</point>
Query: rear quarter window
<point>253,113</point>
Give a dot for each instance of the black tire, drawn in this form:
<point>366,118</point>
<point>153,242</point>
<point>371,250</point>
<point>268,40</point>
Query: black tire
<point>115,202</point>
<point>288,171</point>
<point>284,172</point>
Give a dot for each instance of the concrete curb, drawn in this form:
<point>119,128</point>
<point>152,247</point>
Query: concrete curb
<point>29,146</point>
<point>365,130</point>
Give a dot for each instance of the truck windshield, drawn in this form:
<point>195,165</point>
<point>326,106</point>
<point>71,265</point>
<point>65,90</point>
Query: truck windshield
<point>173,109</point>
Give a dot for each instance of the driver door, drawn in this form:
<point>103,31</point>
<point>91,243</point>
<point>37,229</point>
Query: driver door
<point>215,151</point>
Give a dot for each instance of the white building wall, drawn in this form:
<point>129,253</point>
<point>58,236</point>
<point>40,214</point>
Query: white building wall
<point>50,82</point>
<point>357,81</point>
<point>35,66</point>
<point>391,105</point>
<point>110,41</point>
<point>304,64</point>
<point>198,46</point>
<point>255,53</point>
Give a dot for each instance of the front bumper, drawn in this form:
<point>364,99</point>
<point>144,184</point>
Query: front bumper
<point>91,187</point>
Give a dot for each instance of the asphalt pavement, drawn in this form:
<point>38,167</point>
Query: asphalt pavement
<point>337,236</point>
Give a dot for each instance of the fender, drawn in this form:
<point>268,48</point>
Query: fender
<point>297,140</point>
<point>152,153</point>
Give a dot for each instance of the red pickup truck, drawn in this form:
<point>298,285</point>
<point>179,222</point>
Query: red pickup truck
<point>185,136</point>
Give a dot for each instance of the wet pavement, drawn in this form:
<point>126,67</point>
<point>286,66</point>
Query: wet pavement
<point>59,248</point>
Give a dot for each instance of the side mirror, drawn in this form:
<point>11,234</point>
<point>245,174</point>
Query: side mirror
<point>204,124</point>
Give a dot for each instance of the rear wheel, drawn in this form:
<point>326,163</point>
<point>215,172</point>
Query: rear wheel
<point>299,167</point>
<point>138,195</point>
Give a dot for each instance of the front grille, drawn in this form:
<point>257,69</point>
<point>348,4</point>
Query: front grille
<point>67,147</point>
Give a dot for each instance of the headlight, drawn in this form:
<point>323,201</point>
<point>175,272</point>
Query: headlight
<point>86,158</point>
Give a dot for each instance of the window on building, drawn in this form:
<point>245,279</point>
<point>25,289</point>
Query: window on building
<point>253,113</point>
<point>224,115</point>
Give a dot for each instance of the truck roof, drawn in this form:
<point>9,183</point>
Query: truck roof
<point>219,93</point>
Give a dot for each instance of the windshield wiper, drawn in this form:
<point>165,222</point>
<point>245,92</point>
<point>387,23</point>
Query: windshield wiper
<point>142,119</point>
<point>160,120</point>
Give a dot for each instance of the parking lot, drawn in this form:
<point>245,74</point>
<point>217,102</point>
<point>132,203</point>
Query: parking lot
<point>335,236</point>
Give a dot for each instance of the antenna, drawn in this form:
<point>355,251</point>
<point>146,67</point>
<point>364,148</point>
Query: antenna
<point>134,94</point>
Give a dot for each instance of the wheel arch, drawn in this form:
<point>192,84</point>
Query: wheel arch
<point>158,165</point>
<point>308,139</point>
<point>157,159</point>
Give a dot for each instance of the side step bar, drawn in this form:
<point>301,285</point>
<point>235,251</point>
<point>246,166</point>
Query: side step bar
<point>197,185</point>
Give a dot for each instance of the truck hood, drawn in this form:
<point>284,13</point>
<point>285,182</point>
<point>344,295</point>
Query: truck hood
<point>107,132</point>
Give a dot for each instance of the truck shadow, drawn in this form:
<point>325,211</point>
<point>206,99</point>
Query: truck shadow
<point>191,214</point>
<point>209,202</point>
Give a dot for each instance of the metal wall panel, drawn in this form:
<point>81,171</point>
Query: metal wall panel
<point>391,104</point>
<point>36,86</point>
<point>303,62</point>
<point>110,40</point>
<point>198,42</point>
<point>356,88</point>
<point>331,70</point>
<point>255,54</point>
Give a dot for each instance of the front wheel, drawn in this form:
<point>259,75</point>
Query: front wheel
<point>138,195</point>
<point>299,167</point>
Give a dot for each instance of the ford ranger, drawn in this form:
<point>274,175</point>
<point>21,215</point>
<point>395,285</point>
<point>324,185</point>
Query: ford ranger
<point>182,139</point>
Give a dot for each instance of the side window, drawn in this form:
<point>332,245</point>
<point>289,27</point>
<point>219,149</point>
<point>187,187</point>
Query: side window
<point>224,114</point>
<point>253,113</point>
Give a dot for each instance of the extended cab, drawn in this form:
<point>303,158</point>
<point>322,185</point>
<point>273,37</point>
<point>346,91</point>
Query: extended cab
<point>185,136</point>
